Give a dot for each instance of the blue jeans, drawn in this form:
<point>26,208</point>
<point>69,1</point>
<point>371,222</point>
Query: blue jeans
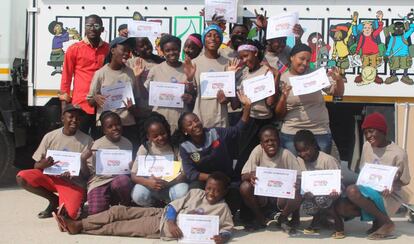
<point>144,197</point>
<point>324,142</point>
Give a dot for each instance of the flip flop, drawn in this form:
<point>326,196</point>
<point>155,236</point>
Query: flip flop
<point>338,235</point>
<point>379,236</point>
<point>311,231</point>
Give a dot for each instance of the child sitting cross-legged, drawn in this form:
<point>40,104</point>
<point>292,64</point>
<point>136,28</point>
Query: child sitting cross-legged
<point>162,222</point>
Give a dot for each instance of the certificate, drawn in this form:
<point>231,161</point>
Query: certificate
<point>149,29</point>
<point>212,82</point>
<point>309,83</point>
<point>225,8</point>
<point>281,25</point>
<point>378,177</point>
<point>198,228</point>
<point>321,182</point>
<point>116,95</point>
<point>113,161</point>
<point>259,87</point>
<point>158,166</point>
<point>273,182</point>
<point>166,94</point>
<point>64,162</point>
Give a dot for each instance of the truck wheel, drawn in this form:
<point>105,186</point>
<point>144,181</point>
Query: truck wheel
<point>6,149</point>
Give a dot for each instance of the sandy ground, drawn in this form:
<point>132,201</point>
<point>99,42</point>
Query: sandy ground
<point>19,224</point>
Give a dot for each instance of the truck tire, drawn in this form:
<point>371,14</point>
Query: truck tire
<point>6,149</point>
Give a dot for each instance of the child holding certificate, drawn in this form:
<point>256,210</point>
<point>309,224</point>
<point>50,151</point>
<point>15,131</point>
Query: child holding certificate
<point>162,222</point>
<point>171,71</point>
<point>70,189</point>
<point>268,154</point>
<point>107,190</point>
<point>311,158</point>
<point>251,55</point>
<point>373,205</point>
<point>116,72</point>
<point>157,143</point>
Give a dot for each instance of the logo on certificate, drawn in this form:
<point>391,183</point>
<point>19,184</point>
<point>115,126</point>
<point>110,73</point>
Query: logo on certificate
<point>195,157</point>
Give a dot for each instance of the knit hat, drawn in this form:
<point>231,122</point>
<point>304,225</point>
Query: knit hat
<point>375,121</point>
<point>300,48</point>
<point>210,28</point>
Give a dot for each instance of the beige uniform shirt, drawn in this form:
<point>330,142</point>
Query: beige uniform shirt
<point>272,59</point>
<point>195,202</point>
<point>391,155</point>
<point>259,109</point>
<point>56,140</point>
<point>106,76</point>
<point>323,162</point>
<point>210,112</point>
<point>284,159</point>
<point>166,73</point>
<point>305,112</point>
<point>103,143</point>
<point>154,150</point>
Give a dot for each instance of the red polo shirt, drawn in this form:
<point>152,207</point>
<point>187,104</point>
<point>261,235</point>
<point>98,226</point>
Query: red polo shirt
<point>81,62</point>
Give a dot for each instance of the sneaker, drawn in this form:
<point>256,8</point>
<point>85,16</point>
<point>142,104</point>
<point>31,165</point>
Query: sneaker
<point>391,79</point>
<point>407,80</point>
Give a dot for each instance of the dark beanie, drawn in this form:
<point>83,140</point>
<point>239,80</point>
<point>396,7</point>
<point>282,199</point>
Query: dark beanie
<point>169,38</point>
<point>300,48</point>
<point>375,121</point>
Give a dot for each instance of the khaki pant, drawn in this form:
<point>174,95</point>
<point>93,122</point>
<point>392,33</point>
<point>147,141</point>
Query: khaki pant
<point>125,221</point>
<point>370,60</point>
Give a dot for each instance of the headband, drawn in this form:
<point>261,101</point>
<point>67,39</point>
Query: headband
<point>196,41</point>
<point>247,47</point>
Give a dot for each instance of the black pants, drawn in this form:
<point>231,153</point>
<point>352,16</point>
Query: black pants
<point>88,125</point>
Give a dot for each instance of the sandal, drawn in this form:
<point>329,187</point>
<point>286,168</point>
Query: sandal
<point>338,235</point>
<point>47,213</point>
<point>311,231</point>
<point>379,236</point>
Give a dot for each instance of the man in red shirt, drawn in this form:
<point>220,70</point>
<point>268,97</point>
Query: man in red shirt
<point>82,59</point>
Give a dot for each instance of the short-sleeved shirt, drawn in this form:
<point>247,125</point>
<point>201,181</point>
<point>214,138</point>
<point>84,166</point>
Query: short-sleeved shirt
<point>56,140</point>
<point>195,202</point>
<point>154,150</point>
<point>228,53</point>
<point>259,109</point>
<point>323,162</point>
<point>391,155</point>
<point>106,76</point>
<point>103,143</point>
<point>283,159</point>
<point>209,110</point>
<point>305,112</point>
<point>166,73</point>
<point>283,57</point>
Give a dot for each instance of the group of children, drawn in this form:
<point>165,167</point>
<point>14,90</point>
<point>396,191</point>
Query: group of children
<point>219,141</point>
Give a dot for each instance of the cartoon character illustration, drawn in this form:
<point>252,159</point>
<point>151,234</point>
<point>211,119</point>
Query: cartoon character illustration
<point>341,34</point>
<point>61,35</point>
<point>398,50</point>
<point>369,50</point>
<point>320,50</point>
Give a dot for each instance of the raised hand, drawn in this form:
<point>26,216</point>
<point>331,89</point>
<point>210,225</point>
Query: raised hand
<point>234,65</point>
<point>139,67</point>
<point>355,17</point>
<point>244,99</point>
<point>261,20</point>
<point>286,89</point>
<point>379,15</point>
<point>335,74</point>
<point>189,69</point>
<point>298,31</point>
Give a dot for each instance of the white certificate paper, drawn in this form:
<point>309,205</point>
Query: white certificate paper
<point>321,182</point>
<point>309,83</point>
<point>378,177</point>
<point>281,25</point>
<point>272,182</point>
<point>225,8</point>
<point>259,87</point>
<point>144,29</point>
<point>158,166</point>
<point>116,95</point>
<point>212,82</point>
<point>166,94</point>
<point>113,161</point>
<point>198,228</point>
<point>64,162</point>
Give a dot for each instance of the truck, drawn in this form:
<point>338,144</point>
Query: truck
<point>30,77</point>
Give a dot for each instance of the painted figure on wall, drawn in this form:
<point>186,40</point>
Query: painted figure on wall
<point>320,50</point>
<point>398,53</point>
<point>368,48</point>
<point>61,36</point>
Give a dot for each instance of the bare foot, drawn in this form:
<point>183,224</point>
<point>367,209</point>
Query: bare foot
<point>385,229</point>
<point>74,226</point>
